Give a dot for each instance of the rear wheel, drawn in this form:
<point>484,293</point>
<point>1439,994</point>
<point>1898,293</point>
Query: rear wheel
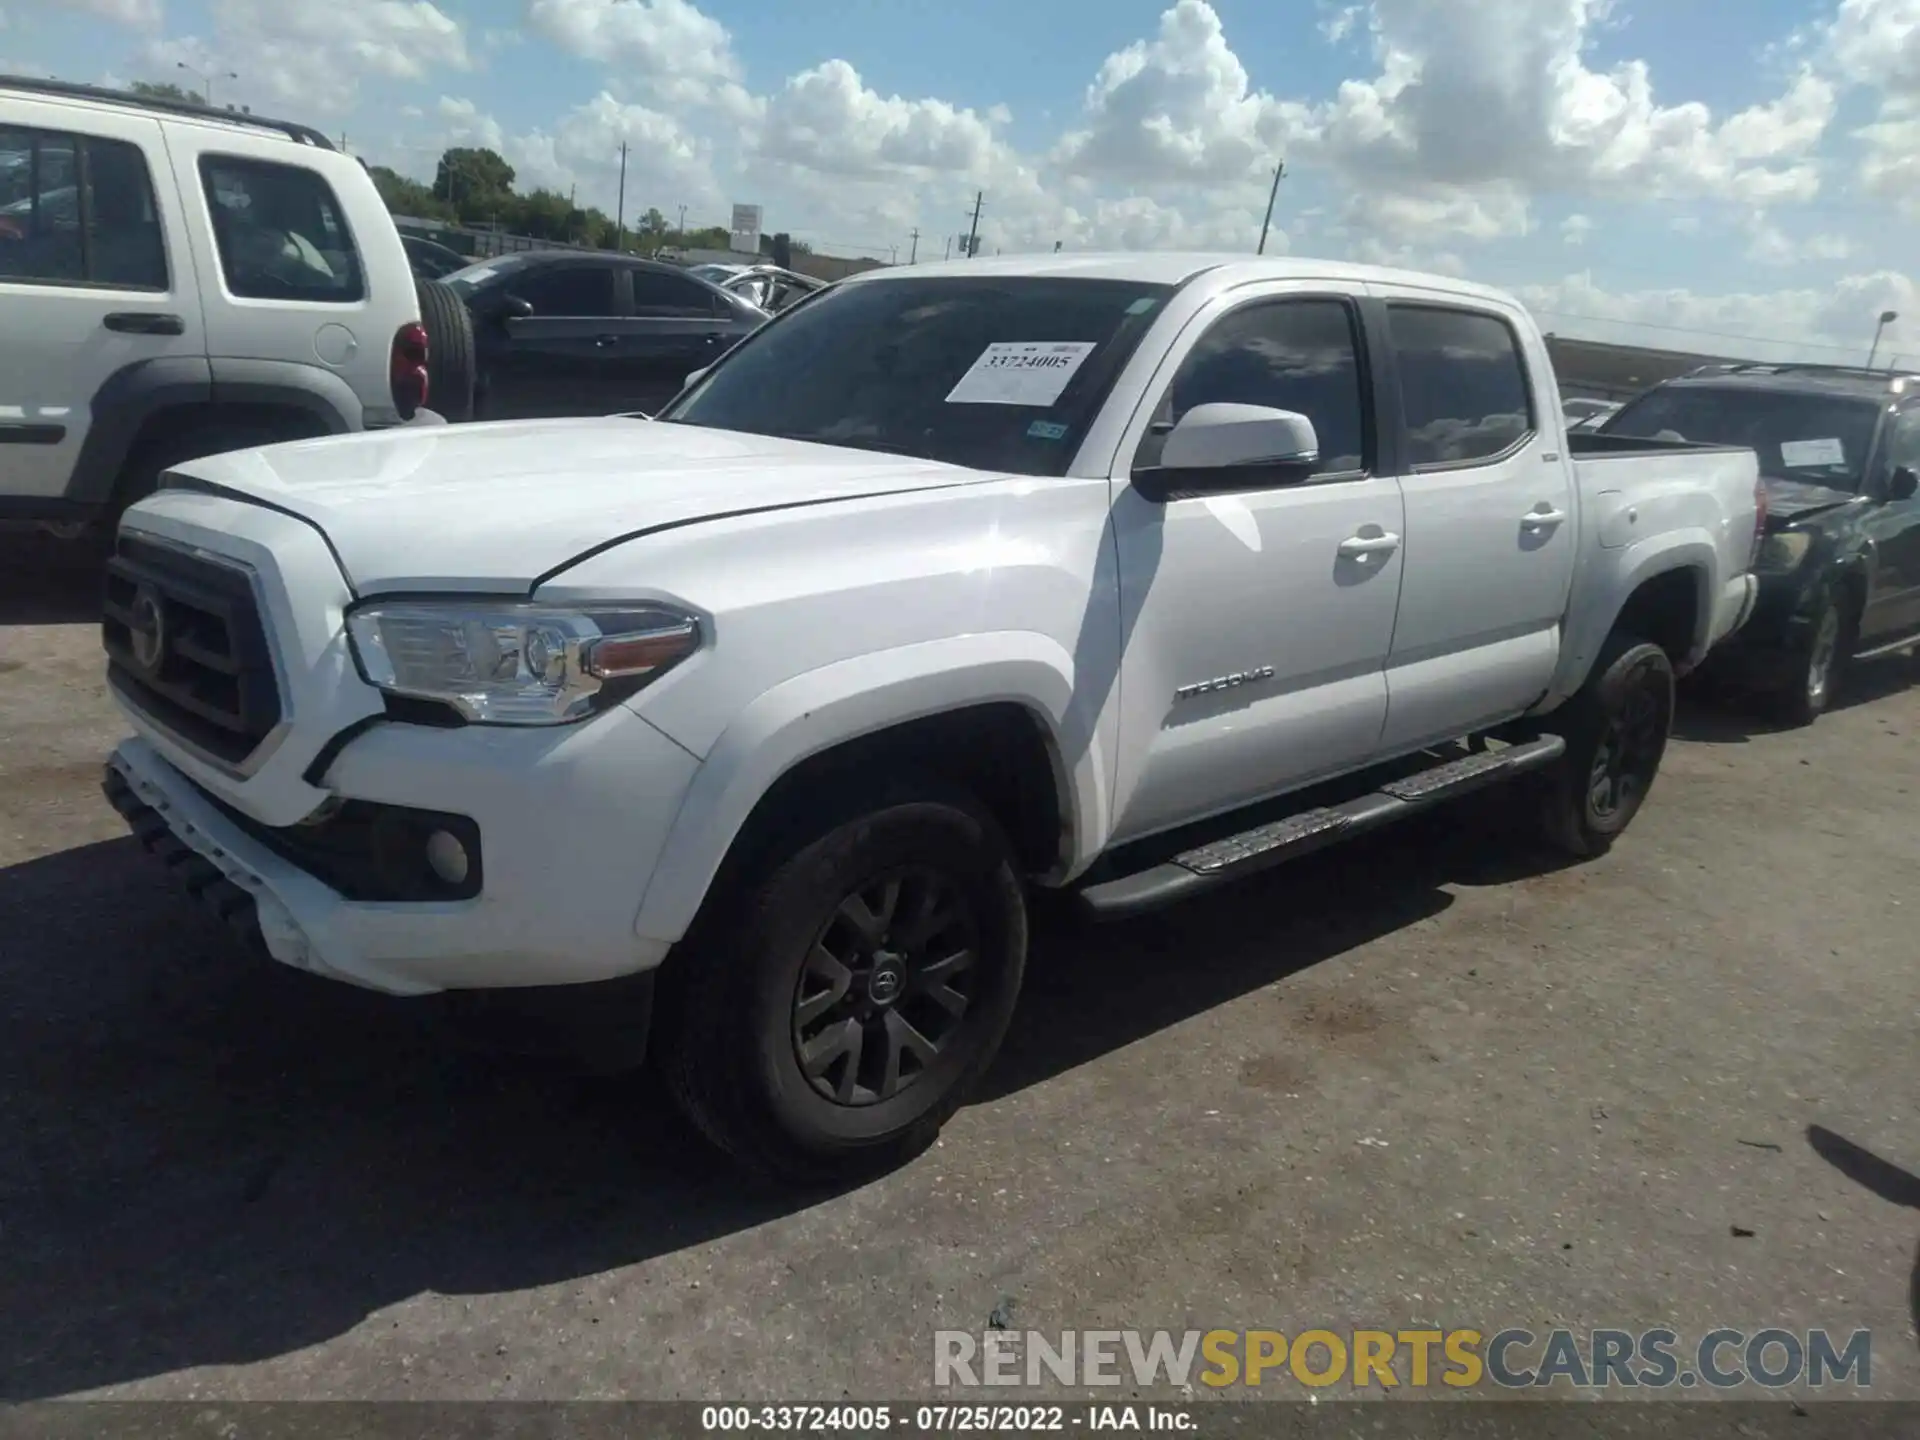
<point>835,1013</point>
<point>1616,731</point>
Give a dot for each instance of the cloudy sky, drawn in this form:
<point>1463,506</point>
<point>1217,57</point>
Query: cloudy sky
<point>1700,174</point>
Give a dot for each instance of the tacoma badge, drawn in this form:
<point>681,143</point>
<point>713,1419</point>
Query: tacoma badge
<point>1224,682</point>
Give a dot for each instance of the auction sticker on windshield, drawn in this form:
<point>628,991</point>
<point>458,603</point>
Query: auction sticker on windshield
<point>1021,372</point>
<point>1802,454</point>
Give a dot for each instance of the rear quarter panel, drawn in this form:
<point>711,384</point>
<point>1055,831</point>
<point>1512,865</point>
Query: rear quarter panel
<point>1642,515</point>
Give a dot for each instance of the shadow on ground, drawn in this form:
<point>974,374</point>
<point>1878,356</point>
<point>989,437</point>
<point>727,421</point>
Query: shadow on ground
<point>1880,1177</point>
<point>44,581</point>
<point>1719,717</point>
<point>210,1161</point>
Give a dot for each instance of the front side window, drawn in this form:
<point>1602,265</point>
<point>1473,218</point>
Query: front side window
<point>78,210</point>
<point>1462,384</point>
<point>1001,373</point>
<point>566,291</point>
<point>281,232</point>
<point>1297,355</point>
<point>1814,438</point>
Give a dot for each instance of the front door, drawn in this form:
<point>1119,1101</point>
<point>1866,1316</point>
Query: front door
<point>1893,607</point>
<point>1255,625</point>
<point>95,279</point>
<point>564,358</point>
<point>1489,500</point>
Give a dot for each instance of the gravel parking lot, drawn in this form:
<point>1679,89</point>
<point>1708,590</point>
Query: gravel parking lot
<point>1432,1078</point>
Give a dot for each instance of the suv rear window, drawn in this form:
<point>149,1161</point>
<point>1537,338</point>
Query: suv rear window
<point>52,232</point>
<point>1815,438</point>
<point>281,232</point>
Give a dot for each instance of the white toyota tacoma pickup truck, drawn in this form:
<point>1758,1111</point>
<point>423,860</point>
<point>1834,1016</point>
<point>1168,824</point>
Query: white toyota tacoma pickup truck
<point>1129,574</point>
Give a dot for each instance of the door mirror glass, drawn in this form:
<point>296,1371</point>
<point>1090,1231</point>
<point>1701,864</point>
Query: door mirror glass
<point>1903,484</point>
<point>1227,437</point>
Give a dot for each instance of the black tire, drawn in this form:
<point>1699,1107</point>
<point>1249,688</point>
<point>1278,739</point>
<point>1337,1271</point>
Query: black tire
<point>1820,659</point>
<point>450,360</point>
<point>1616,730</point>
<point>745,993</point>
<point>140,476</point>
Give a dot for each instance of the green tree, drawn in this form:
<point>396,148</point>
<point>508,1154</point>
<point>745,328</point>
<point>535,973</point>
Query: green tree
<point>408,197</point>
<point>477,182</point>
<point>162,90</point>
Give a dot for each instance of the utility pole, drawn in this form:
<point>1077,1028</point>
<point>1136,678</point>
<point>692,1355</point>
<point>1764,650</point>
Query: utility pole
<point>682,231</point>
<point>620,221</point>
<point>973,235</point>
<point>914,254</point>
<point>949,254</point>
<point>1272,195</point>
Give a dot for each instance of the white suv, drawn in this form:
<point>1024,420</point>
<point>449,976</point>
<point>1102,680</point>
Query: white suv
<point>179,282</point>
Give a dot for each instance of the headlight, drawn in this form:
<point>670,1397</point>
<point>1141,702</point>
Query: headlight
<point>1783,551</point>
<point>507,664</point>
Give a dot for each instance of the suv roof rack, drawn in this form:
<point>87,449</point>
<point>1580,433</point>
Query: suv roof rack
<point>191,110</point>
<point>1796,367</point>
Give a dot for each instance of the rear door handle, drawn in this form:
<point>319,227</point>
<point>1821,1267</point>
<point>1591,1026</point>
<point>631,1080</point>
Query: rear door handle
<point>603,342</point>
<point>135,322</point>
<point>1541,519</point>
<point>1359,547</point>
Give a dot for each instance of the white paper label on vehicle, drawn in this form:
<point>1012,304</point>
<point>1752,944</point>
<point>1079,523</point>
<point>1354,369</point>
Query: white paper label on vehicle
<point>1797,454</point>
<point>1021,372</point>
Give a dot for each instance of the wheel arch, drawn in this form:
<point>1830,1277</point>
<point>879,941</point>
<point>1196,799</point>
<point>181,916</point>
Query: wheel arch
<point>1667,587</point>
<point>995,711</point>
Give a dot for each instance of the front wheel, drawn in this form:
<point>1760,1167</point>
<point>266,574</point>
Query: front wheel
<point>835,1013</point>
<point>1616,731</point>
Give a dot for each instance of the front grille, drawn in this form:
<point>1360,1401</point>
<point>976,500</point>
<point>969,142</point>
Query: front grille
<point>186,645</point>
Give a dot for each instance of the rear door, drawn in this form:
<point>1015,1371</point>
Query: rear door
<point>96,279</point>
<point>679,325</point>
<point>566,357</point>
<point>1490,519</point>
<point>1894,527</point>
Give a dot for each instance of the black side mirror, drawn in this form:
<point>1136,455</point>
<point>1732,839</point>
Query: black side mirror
<point>1903,484</point>
<point>512,307</point>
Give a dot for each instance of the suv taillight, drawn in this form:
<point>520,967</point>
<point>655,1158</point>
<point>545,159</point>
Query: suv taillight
<point>1759,521</point>
<point>408,369</point>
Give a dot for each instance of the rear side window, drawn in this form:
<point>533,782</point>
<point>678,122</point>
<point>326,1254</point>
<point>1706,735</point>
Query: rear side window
<point>1462,384</point>
<point>655,293</point>
<point>281,232</point>
<point>78,210</point>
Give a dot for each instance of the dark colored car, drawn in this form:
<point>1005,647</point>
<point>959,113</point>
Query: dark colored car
<point>562,332</point>
<point>1839,565</point>
<point>431,260</point>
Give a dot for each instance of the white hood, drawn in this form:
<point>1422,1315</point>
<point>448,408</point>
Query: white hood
<point>500,506</point>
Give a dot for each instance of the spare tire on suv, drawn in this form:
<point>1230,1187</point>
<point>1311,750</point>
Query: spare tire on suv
<point>450,362</point>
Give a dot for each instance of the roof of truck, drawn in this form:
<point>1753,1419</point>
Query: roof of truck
<point>1848,380</point>
<point>1164,267</point>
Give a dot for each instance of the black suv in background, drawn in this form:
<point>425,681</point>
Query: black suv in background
<point>1839,566</point>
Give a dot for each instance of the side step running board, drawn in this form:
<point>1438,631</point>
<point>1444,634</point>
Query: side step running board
<point>1222,861</point>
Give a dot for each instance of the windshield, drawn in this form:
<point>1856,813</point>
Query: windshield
<point>474,276</point>
<point>1815,439</point>
<point>1003,373</point>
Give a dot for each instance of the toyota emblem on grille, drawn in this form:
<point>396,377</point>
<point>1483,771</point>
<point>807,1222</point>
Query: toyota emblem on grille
<point>147,630</point>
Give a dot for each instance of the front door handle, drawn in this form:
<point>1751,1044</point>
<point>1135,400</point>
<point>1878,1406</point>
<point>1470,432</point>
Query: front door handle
<point>135,322</point>
<point>1536,520</point>
<point>1359,547</point>
<point>603,342</point>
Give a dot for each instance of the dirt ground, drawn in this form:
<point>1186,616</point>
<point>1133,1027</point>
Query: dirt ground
<point>1429,1079</point>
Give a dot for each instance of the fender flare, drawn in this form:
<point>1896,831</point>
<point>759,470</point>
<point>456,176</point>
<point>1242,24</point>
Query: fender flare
<point>813,712</point>
<point>1623,573</point>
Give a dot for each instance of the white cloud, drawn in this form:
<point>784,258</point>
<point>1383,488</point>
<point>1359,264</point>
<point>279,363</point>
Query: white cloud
<point>1876,43</point>
<point>142,14</point>
<point>828,120</point>
<point>1500,92</point>
<point>667,51</point>
<point>1575,229</point>
<point>1179,108</point>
